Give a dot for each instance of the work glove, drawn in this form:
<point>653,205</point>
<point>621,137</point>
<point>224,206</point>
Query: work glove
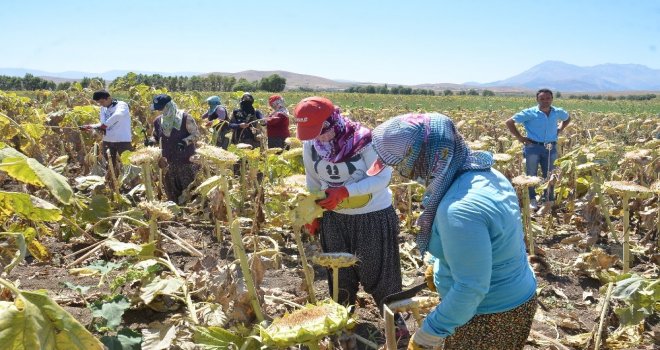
<point>181,146</point>
<point>428,277</point>
<point>334,196</point>
<point>423,340</point>
<point>312,227</point>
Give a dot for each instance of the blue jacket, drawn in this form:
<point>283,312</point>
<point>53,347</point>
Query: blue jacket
<point>481,264</point>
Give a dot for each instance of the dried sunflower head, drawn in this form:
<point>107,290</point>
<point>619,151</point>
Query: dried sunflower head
<point>526,181</point>
<point>502,157</point>
<point>633,189</point>
<point>297,180</point>
<point>423,304</point>
<point>655,187</point>
<point>293,153</point>
<point>145,155</point>
<point>217,155</point>
<point>293,142</point>
<point>157,210</point>
<point>244,146</point>
<point>586,167</point>
<point>307,325</point>
<point>335,260</point>
<point>305,209</point>
<point>638,155</point>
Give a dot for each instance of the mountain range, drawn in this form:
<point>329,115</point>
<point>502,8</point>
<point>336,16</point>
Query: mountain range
<point>554,75</point>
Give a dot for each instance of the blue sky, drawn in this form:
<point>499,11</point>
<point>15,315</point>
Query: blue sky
<point>405,42</point>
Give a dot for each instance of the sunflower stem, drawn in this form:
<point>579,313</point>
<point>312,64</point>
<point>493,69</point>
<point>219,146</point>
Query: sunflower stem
<point>239,250</point>
<point>148,185</point>
<point>526,221</point>
<point>335,284</point>
<point>626,236</point>
<point>601,203</point>
<point>309,276</point>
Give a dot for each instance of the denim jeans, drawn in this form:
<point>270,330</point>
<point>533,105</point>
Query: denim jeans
<point>536,155</point>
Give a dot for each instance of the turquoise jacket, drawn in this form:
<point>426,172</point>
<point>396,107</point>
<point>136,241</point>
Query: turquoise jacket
<point>481,264</point>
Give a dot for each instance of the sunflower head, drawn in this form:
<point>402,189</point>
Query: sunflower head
<point>309,324</point>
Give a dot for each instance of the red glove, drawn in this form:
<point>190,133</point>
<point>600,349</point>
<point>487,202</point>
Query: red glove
<point>312,227</point>
<point>334,196</point>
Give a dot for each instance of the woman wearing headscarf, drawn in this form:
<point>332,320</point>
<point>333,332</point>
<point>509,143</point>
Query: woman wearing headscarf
<point>277,123</point>
<point>219,112</point>
<point>471,225</point>
<point>359,217</point>
<point>176,131</point>
<point>243,120</point>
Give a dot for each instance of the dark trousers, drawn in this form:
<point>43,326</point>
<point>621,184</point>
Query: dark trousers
<point>116,149</point>
<point>372,237</point>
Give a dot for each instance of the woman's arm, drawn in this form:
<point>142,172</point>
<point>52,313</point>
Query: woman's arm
<point>370,184</point>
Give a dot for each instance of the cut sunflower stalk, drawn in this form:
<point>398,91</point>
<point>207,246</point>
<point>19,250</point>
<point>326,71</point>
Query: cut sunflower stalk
<point>222,160</point>
<point>145,158</point>
<point>523,182</point>
<point>593,168</point>
<point>239,250</point>
<point>626,190</point>
<point>155,211</point>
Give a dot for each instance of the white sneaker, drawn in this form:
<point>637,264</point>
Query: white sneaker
<point>532,204</point>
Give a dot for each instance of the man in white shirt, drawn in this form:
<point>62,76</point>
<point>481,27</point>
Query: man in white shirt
<point>115,125</point>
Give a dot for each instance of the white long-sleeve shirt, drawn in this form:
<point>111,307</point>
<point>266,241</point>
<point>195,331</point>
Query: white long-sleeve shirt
<point>118,121</point>
<point>366,193</point>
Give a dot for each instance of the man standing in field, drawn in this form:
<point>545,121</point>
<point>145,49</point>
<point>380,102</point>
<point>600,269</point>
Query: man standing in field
<point>115,124</point>
<point>540,144</point>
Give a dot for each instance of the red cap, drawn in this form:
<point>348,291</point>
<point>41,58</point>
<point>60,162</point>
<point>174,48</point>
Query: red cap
<point>310,114</point>
<point>273,99</point>
<point>376,167</point>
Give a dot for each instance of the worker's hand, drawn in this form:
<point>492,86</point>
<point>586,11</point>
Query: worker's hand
<point>312,227</point>
<point>162,162</point>
<point>334,196</point>
<point>209,123</point>
<point>181,146</point>
<point>422,340</point>
<point>428,277</point>
<point>525,141</point>
<point>150,141</point>
<point>102,127</point>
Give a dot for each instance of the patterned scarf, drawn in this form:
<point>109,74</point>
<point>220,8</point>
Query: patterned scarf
<point>172,118</point>
<point>350,138</point>
<point>279,106</point>
<point>429,147</point>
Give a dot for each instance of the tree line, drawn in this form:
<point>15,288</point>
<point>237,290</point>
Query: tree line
<point>30,83</point>
<point>401,90</point>
<point>212,82</point>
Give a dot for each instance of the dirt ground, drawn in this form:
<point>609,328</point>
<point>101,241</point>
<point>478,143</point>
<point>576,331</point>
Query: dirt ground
<point>568,303</point>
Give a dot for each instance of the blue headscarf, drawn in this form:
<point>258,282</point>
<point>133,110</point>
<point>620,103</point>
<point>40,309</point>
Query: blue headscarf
<point>427,147</point>
<point>214,102</point>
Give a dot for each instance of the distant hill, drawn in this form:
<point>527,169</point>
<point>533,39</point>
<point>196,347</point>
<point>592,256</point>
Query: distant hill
<point>566,77</point>
<point>554,75</point>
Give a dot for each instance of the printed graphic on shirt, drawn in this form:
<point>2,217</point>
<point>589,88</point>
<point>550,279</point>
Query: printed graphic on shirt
<point>341,174</point>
